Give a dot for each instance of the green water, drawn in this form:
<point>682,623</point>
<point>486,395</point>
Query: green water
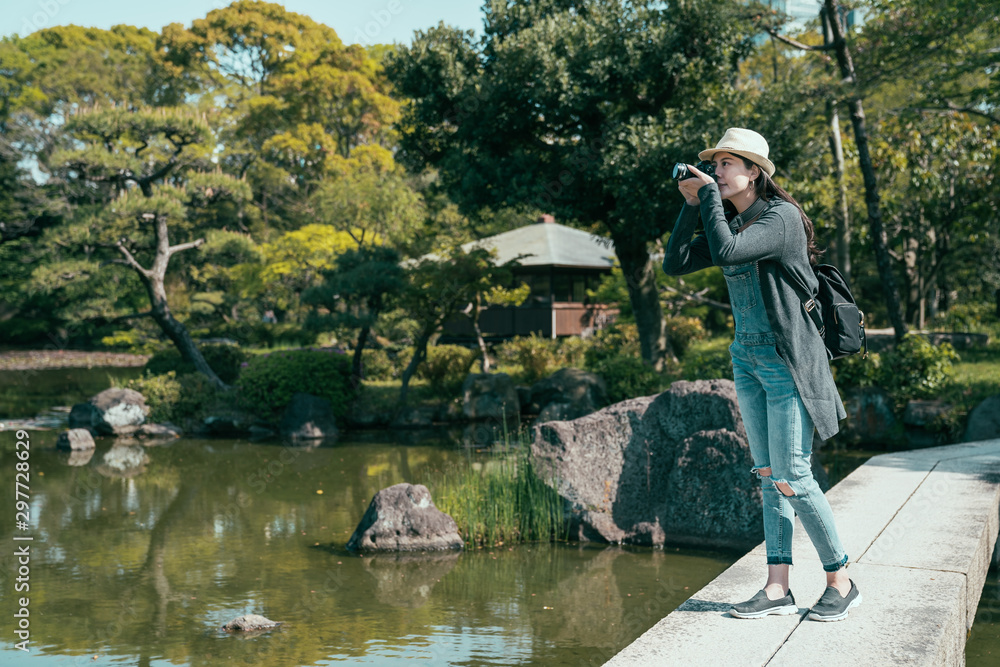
<point>25,394</point>
<point>140,555</point>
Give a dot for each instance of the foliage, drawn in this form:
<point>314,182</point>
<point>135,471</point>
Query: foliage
<point>912,369</point>
<point>618,339</point>
<point>969,318</point>
<point>447,366</point>
<point>683,331</point>
<point>378,365</point>
<point>161,393</point>
<point>268,382</point>
<point>537,356</point>
<point>179,398</point>
<point>503,501</point>
<point>572,351</point>
<point>627,377</point>
<point>225,359</point>
<point>708,360</point>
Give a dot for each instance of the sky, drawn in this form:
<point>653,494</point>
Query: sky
<point>362,22</point>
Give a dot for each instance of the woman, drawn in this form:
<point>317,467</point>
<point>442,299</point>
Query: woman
<point>763,241</point>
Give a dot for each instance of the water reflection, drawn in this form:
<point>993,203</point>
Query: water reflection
<point>141,554</point>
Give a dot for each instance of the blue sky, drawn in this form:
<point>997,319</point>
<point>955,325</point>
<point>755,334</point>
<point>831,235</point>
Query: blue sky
<point>356,21</point>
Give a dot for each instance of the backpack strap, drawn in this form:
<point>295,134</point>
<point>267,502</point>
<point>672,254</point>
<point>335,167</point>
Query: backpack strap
<point>808,302</point>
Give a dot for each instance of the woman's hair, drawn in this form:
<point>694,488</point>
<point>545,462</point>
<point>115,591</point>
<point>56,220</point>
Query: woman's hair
<point>767,189</point>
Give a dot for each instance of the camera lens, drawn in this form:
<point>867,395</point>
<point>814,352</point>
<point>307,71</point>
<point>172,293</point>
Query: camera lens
<point>680,171</point>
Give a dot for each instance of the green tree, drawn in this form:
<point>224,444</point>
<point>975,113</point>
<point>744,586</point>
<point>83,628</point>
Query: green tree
<point>364,283</point>
<point>578,109</point>
<point>151,170</point>
<point>437,288</point>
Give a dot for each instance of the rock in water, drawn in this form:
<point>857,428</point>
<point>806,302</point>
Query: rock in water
<point>250,623</point>
<point>656,469</point>
<point>403,518</point>
<point>114,411</point>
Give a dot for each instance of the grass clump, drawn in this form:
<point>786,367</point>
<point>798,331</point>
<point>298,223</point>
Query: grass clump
<point>501,500</point>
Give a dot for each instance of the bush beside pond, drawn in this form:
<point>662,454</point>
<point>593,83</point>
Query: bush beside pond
<point>268,382</point>
<point>225,359</point>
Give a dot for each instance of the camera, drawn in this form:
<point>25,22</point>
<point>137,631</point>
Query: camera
<point>681,170</point>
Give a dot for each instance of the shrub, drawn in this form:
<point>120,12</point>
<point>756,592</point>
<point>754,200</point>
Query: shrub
<point>225,359</point>
<point>682,331</point>
<point>261,334</point>
<point>269,381</point>
<point>178,398</point>
<point>913,368</point>
<point>616,340</point>
<point>535,355</point>
<point>627,377</point>
<point>708,361</point>
<point>572,351</point>
<point>161,393</point>
<point>967,318</point>
<point>446,366</point>
<point>377,364</point>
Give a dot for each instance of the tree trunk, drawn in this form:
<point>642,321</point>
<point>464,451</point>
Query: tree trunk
<point>842,242</point>
<point>357,367</point>
<point>419,354</point>
<point>154,279</point>
<point>641,281</point>
<point>879,240</point>
<point>476,309</point>
<point>177,332</point>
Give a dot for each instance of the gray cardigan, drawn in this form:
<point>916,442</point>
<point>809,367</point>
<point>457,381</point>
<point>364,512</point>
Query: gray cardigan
<point>777,241</point>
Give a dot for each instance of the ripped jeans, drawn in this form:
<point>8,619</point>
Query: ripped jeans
<point>780,434</point>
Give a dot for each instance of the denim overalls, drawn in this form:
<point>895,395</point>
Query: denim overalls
<point>779,429</point>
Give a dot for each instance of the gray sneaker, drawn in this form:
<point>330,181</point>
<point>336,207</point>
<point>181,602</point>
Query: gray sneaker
<point>759,606</point>
<point>833,607</point>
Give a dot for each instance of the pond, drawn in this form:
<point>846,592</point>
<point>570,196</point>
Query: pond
<point>141,553</point>
<point>138,558</point>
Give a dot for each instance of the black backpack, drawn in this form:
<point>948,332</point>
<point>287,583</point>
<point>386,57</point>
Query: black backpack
<point>835,313</point>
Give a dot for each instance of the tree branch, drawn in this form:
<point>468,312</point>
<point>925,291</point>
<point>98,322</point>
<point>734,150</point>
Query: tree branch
<point>799,45</point>
<point>699,297</point>
<point>131,261</point>
<point>184,246</point>
<point>951,106</point>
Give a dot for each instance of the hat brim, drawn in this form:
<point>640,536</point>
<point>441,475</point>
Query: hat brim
<point>758,160</point>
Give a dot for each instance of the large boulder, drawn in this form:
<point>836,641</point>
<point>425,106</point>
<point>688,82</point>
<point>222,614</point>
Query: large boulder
<point>491,396</point>
<point>308,417</point>
<point>567,394</point>
<point>403,517</point>
<point>668,468</point>
<point>870,417</point>
<point>984,421</point>
<point>114,411</point>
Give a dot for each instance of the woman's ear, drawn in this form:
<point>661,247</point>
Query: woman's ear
<point>755,173</point>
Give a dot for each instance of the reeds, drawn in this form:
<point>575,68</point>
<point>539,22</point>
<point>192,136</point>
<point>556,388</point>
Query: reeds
<point>501,500</point>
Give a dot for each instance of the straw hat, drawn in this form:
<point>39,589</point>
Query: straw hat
<point>745,143</point>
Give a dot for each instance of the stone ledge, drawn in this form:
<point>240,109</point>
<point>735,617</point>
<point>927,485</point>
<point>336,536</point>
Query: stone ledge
<point>920,528</point>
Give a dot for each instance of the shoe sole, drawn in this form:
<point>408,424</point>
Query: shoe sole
<point>787,610</point>
<point>839,617</point>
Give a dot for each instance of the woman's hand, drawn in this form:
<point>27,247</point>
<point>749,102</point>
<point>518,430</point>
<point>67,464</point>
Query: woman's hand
<point>689,186</point>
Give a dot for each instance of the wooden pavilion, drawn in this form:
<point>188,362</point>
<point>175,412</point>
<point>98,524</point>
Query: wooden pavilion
<point>562,264</point>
